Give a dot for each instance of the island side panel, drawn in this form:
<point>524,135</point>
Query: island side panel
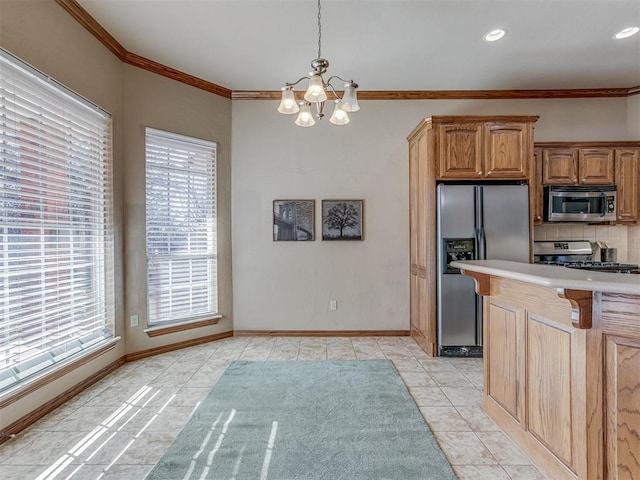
<point>539,397</point>
<point>621,330</point>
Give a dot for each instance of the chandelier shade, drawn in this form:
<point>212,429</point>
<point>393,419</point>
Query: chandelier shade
<point>318,92</point>
<point>305,117</point>
<point>339,116</point>
<point>288,104</point>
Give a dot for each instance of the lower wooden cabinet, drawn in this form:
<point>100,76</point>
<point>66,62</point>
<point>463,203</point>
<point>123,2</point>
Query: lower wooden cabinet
<point>620,326</point>
<point>568,396</point>
<point>534,388</point>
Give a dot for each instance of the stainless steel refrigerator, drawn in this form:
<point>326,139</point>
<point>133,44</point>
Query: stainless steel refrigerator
<point>474,222</point>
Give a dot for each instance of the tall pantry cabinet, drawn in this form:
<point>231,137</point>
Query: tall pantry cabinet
<point>454,149</point>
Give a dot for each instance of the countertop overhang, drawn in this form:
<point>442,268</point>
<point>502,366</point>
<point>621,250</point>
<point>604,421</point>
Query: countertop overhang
<point>555,277</point>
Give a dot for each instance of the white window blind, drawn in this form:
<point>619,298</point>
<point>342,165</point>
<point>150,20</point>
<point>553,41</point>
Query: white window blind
<point>56,250</point>
<point>181,228</point>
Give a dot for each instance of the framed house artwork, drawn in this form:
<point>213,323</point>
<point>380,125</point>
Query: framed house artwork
<point>342,219</point>
<point>293,220</point>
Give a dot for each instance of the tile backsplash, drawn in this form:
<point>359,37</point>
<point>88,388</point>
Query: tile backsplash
<point>625,238</point>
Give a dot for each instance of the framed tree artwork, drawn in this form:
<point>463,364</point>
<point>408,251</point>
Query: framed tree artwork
<point>342,219</point>
<point>293,220</point>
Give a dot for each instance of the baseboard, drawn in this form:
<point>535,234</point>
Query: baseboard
<point>321,333</point>
<point>130,357</point>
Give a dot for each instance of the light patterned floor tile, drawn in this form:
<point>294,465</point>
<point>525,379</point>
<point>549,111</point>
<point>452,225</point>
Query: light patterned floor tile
<point>480,472</point>
<point>524,472</point>
<point>503,449</point>
<point>464,448</point>
<point>444,419</point>
<point>178,380</point>
<point>429,397</point>
<point>477,419</point>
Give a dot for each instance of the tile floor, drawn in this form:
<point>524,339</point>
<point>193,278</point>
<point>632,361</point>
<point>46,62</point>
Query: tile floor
<point>119,427</point>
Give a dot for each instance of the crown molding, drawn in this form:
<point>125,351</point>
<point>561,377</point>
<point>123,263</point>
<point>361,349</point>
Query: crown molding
<point>455,94</point>
<point>83,17</point>
<point>92,26</point>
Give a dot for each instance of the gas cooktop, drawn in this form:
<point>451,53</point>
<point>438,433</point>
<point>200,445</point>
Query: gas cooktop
<point>576,254</point>
<point>611,267</point>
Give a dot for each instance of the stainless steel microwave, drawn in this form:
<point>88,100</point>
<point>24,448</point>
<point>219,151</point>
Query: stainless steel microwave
<point>592,203</point>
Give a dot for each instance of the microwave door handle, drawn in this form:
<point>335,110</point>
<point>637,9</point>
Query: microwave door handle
<point>603,210</point>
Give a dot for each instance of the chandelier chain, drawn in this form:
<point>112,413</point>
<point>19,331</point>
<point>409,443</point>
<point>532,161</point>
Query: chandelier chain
<point>319,32</point>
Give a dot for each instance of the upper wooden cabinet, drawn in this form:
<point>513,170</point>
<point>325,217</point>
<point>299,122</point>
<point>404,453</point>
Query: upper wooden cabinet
<point>589,163</point>
<point>627,168</point>
<point>572,166</point>
<point>536,201</point>
<point>472,148</point>
<point>453,148</point>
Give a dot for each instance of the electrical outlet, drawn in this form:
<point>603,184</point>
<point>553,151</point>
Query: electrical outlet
<point>333,304</point>
<point>134,320</point>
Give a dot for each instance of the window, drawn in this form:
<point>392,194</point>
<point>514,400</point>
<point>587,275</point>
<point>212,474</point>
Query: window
<point>56,248</point>
<point>181,228</point>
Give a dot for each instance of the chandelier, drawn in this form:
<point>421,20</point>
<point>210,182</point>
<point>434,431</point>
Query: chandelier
<point>316,94</point>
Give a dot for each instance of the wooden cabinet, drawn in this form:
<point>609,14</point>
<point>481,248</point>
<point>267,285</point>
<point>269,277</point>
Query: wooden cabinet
<point>421,185</point>
<point>456,148</point>
<point>562,375</point>
<point>533,386</point>
<point>595,166</point>
<point>620,330</point>
<point>627,179</point>
<point>473,148</point>
<point>622,371</point>
<point>536,191</point>
<point>583,166</point>
<point>588,163</point>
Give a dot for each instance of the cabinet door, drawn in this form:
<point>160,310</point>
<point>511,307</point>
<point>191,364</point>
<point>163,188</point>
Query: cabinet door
<point>595,166</point>
<point>507,150</point>
<point>560,166</point>
<point>535,188</point>
<point>460,151</point>
<point>627,171</point>
<point>622,371</point>
<point>503,353</point>
<point>413,233</point>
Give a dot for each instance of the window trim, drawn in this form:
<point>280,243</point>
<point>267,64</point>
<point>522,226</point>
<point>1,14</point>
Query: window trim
<point>32,81</point>
<point>208,318</point>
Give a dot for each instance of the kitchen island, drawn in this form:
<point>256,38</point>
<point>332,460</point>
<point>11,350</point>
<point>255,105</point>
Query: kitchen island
<point>562,365</point>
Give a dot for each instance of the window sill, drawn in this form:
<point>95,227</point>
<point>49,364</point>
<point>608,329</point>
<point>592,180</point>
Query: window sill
<point>56,372</point>
<point>182,326</point>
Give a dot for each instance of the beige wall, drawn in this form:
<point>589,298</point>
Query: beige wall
<point>44,35</point>
<point>157,102</point>
<point>288,285</point>
<point>633,117</point>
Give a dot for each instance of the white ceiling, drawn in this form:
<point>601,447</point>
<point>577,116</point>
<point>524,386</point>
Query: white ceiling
<point>385,44</point>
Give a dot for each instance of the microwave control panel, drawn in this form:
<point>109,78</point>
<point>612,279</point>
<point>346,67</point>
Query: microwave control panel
<point>611,204</point>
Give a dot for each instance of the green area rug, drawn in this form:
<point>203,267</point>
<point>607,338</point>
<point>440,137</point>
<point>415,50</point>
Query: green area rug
<point>324,420</point>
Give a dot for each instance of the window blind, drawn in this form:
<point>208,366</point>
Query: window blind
<point>56,249</point>
<point>180,228</point>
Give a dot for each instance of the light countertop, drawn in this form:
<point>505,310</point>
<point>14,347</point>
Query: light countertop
<point>555,277</point>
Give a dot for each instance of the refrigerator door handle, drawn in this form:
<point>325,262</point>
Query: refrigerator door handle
<point>479,206</point>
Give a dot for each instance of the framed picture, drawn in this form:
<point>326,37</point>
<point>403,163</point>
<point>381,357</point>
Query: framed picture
<point>342,219</point>
<point>293,220</point>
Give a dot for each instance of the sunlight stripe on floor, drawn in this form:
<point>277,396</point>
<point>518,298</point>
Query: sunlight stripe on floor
<point>213,452</point>
<point>267,455</point>
<point>204,443</point>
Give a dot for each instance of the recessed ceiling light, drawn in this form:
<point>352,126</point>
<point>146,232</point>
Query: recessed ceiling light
<point>494,35</point>
<point>626,33</point>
